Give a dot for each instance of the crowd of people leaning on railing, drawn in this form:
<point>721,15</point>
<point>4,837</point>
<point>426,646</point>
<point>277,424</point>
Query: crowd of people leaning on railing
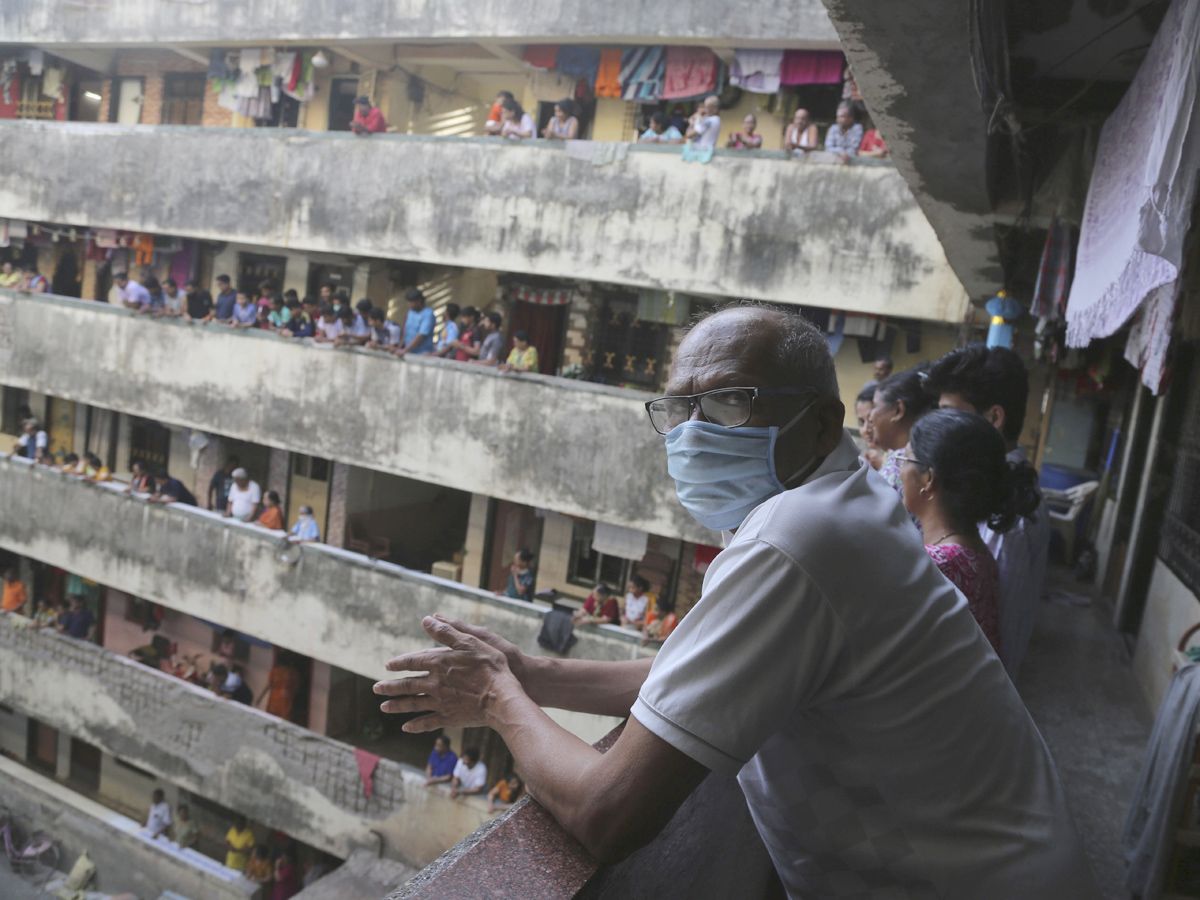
<point>467,335</point>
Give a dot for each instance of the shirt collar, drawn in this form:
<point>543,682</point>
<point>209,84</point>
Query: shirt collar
<point>844,458</point>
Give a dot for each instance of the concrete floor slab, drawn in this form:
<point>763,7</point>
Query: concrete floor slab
<point>1078,684</point>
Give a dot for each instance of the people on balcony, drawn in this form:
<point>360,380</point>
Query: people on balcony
<point>368,119</point>
<point>470,774</point>
<point>158,819</point>
<point>245,497</point>
<point>78,622</point>
<point>154,301</point>
<point>872,146</point>
<point>357,329</point>
<point>955,479</point>
<point>9,278</point>
<point>523,357</point>
<point>418,326</point>
<point>272,515</point>
<point>173,300</point>
<point>170,490</point>
<point>239,841</point>
<point>303,321</point>
<point>704,127</point>
<point>442,762</point>
<point>637,603</point>
<point>520,576</point>
<point>748,138</point>
<point>220,483</point>
<point>465,347</point>
<point>495,119</point>
<point>661,131</point>
<point>493,339</point>
<point>278,315</point>
<point>14,597</point>
<point>32,280</point>
<point>801,135</point>
<point>600,608</point>
<point>563,125</point>
<point>306,530</point>
<point>845,134</point>
<point>184,832</point>
<point>329,326</point>
<point>660,621</point>
<point>515,123</point>
<point>33,444</point>
<point>385,334</point>
<point>245,312</point>
<point>132,295</point>
<point>226,300</point>
<point>450,314</point>
<point>199,309</point>
<point>506,792</point>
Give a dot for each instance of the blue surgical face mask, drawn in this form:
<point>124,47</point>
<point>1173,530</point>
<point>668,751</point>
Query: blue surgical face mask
<point>721,474</point>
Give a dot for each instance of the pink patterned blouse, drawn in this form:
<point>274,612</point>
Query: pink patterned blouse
<point>978,577</point>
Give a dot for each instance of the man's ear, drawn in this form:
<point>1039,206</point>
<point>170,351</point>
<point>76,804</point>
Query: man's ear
<point>831,413</point>
<point>995,415</point>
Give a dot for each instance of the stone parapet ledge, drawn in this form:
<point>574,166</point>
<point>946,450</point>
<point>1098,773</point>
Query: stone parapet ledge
<point>745,224</point>
<point>710,850</point>
<point>228,752</point>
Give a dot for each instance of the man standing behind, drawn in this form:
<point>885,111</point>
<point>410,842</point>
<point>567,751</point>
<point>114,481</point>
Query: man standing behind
<point>245,497</point>
<point>219,484</point>
<point>418,325</point>
<point>367,119</point>
<point>199,307</point>
<point>133,295</point>
<point>993,383</point>
<point>14,592</point>
<point>705,126</point>
<point>33,444</point>
<point>465,347</point>
<point>170,490</point>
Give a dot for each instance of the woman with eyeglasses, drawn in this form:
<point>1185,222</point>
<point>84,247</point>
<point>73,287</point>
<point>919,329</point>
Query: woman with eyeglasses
<point>955,476</point>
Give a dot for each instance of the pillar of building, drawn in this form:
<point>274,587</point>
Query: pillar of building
<point>335,527</point>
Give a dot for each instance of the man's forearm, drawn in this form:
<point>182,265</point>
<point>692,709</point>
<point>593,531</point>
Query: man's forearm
<point>585,686</point>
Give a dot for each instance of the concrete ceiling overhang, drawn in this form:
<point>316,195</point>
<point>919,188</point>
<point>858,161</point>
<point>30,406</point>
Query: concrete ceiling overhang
<point>912,63</point>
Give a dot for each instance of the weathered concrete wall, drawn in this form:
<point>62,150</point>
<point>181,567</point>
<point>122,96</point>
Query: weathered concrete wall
<point>1171,609</point>
<point>744,225</point>
<point>913,64</point>
<point>531,439</point>
<point>274,772</point>
<point>332,605</point>
<point>124,860</point>
<point>803,23</point>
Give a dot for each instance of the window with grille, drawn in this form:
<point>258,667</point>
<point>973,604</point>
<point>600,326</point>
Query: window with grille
<point>15,408</point>
<point>626,349</point>
<point>182,98</point>
<point>149,444</point>
<point>1179,545</point>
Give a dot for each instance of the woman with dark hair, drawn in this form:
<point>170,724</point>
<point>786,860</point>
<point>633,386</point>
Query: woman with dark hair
<point>520,577</point>
<point>955,476</point>
<point>287,876</point>
<point>863,405</point>
<point>515,123</point>
<point>563,126</point>
<point>900,400</point>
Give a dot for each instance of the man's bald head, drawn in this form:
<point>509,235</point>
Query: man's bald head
<point>753,346</point>
<point>713,103</point>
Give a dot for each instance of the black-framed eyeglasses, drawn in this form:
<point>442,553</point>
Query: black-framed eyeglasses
<point>899,454</point>
<point>729,407</point>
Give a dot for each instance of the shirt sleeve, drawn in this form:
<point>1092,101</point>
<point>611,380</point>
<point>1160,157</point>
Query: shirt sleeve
<point>759,644</point>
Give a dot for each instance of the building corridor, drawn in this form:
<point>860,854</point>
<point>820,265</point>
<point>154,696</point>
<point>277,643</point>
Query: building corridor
<point>1077,681</point>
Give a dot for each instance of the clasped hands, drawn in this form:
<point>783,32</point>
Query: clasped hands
<point>464,680</point>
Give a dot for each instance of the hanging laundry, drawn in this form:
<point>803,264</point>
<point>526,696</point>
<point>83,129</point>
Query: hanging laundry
<point>1150,337</point>
<point>300,85</point>
<point>812,67</point>
<point>249,60</point>
<point>756,70</point>
<point>297,70</point>
<point>284,64</point>
<point>37,59</point>
<point>608,77</point>
<point>582,62</point>
<point>106,238</point>
<point>227,97</point>
<point>689,72</point>
<point>550,87</point>
<point>541,56</point>
<point>219,67</point>
<point>247,83</point>
<point>642,73</point>
<point>1054,274</point>
<point>143,246</point>
<point>9,84</point>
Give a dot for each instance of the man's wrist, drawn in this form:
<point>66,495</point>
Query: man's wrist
<point>505,700</point>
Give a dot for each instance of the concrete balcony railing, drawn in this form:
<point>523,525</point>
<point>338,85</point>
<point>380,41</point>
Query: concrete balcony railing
<point>555,443</point>
<point>760,225</point>
<point>710,850</point>
<point>332,605</point>
<point>49,22</point>
<point>227,752</point>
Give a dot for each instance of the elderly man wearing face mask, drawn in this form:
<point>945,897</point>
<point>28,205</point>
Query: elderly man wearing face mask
<point>828,664</point>
<point>306,530</point>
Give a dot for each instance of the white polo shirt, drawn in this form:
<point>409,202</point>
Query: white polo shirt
<point>241,502</point>
<point>470,778</point>
<point>159,817</point>
<point>882,749</point>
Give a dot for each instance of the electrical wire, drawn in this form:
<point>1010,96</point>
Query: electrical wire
<point>1115,25</point>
